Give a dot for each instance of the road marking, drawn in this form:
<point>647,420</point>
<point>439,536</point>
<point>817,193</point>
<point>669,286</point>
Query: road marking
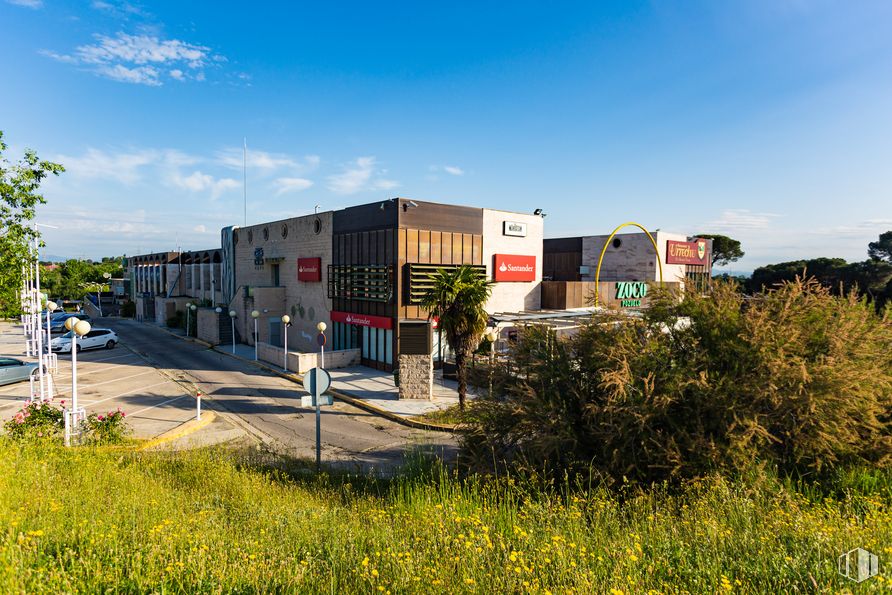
<point>135,413</point>
<point>85,403</point>
<point>107,359</point>
<point>62,392</point>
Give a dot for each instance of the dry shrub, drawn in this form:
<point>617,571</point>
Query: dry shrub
<point>794,377</point>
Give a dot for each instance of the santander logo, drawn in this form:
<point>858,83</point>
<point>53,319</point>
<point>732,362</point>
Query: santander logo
<point>514,267</point>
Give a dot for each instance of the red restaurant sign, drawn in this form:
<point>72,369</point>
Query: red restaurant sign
<point>513,267</point>
<point>362,319</point>
<point>309,269</point>
<point>686,252</point>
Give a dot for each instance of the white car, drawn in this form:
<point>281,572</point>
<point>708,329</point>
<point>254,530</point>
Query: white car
<point>95,339</point>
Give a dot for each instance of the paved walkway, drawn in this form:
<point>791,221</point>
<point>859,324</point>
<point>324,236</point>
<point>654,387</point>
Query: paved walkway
<point>373,387</point>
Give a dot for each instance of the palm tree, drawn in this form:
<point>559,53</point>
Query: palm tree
<point>457,298</point>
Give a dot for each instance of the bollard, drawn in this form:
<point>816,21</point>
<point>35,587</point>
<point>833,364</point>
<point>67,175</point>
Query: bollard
<point>198,406</point>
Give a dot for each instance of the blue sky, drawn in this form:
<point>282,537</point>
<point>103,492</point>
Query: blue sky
<point>767,120</point>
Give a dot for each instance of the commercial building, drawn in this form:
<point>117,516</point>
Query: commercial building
<point>570,267</point>
<point>363,270</point>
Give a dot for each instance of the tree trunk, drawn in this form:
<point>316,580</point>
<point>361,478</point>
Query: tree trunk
<point>462,373</point>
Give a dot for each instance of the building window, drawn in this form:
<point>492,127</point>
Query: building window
<point>284,230</point>
<point>250,236</point>
<point>617,242</point>
<point>265,234</point>
<point>317,226</point>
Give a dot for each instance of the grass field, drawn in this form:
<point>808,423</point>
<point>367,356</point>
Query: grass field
<point>113,520</point>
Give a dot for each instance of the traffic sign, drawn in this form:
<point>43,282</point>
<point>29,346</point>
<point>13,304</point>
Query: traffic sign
<point>317,381</point>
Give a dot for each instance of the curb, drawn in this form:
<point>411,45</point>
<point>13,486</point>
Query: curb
<point>184,429</point>
<point>341,396</point>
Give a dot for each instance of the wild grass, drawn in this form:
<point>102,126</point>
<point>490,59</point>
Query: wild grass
<point>106,519</point>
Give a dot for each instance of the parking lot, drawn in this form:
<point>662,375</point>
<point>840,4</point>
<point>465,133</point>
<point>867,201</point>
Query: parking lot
<point>108,379</point>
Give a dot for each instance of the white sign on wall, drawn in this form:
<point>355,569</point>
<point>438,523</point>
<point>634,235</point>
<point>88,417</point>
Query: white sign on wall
<point>514,228</point>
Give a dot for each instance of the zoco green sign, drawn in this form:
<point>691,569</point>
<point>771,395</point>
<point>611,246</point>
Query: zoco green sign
<point>630,293</point>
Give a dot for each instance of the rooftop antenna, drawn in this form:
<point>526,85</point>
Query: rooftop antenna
<point>245,180</point>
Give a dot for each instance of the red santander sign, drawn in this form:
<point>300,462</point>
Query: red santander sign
<point>309,269</point>
<point>362,319</point>
<point>513,267</point>
<point>686,252</point>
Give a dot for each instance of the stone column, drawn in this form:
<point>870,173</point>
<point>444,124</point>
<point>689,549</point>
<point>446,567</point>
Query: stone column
<point>416,376</point>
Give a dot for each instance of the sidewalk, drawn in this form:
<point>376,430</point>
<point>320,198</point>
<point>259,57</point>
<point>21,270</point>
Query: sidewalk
<point>373,388</point>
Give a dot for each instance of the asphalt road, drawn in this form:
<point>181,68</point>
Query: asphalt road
<point>268,406</point>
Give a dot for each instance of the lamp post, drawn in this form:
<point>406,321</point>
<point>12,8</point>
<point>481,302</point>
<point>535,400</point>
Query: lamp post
<point>491,335</point>
<point>321,328</point>
<point>232,315</point>
<point>78,328</point>
<point>286,322</point>
<point>255,315</point>
<point>188,314</point>
<point>50,308</point>
<point>195,314</point>
<point>105,276</point>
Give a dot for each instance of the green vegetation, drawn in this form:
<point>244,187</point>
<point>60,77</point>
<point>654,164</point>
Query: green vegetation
<point>795,378</point>
<point>19,197</point>
<point>94,520</point>
<point>725,250</point>
<point>73,278</point>
<point>457,300</point>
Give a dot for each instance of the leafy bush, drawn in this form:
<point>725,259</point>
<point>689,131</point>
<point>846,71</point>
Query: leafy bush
<point>795,377</point>
<point>45,420</point>
<point>107,429</point>
<point>36,420</point>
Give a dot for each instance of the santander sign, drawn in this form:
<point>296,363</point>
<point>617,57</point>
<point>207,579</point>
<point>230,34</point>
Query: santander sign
<point>513,267</point>
<point>309,269</point>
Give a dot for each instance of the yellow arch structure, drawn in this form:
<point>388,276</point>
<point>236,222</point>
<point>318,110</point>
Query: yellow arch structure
<point>604,250</point>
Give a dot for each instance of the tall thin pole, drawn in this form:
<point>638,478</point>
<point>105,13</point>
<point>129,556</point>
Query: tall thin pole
<point>245,180</point>
<point>318,396</point>
<point>39,333</point>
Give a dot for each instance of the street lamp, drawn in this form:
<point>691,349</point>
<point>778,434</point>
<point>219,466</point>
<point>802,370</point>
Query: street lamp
<point>321,328</point>
<point>188,314</point>
<point>491,336</point>
<point>105,276</point>
<point>78,328</point>
<point>255,315</point>
<point>232,315</point>
<point>195,314</point>
<point>286,322</point>
<point>50,308</point>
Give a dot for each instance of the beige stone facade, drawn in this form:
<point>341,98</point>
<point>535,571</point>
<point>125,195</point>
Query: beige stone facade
<point>266,273</point>
<point>512,296</point>
<point>633,259</point>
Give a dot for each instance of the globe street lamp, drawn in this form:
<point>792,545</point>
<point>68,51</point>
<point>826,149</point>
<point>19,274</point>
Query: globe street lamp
<point>50,308</point>
<point>105,276</point>
<point>78,328</point>
<point>321,328</point>
<point>491,336</point>
<point>286,322</point>
<point>195,314</point>
<point>188,314</point>
<point>232,315</point>
<point>255,315</point>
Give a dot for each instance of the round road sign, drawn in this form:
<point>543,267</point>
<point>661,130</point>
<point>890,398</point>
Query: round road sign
<point>317,381</point>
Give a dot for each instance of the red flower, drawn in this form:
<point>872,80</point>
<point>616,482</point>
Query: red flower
<point>100,418</point>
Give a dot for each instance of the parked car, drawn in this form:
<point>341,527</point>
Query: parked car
<point>15,370</point>
<point>95,339</point>
<point>57,324</point>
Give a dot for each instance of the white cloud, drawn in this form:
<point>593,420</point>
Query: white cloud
<point>285,185</point>
<point>234,157</point>
<point>736,220</point>
<point>35,4</point>
<point>123,167</point>
<point>453,170</point>
<point>200,229</point>
<point>360,175</point>
<point>201,182</point>
<point>134,58</point>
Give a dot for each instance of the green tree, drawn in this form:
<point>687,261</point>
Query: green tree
<point>457,299</point>
<point>19,197</point>
<point>725,250</point>
<point>882,248</point>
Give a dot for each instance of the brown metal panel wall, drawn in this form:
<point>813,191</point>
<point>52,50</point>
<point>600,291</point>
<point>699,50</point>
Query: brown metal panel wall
<point>467,256</point>
<point>456,248</point>
<point>436,243</point>
<point>429,215</point>
<point>446,239</point>
<point>424,246</point>
<point>477,257</point>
